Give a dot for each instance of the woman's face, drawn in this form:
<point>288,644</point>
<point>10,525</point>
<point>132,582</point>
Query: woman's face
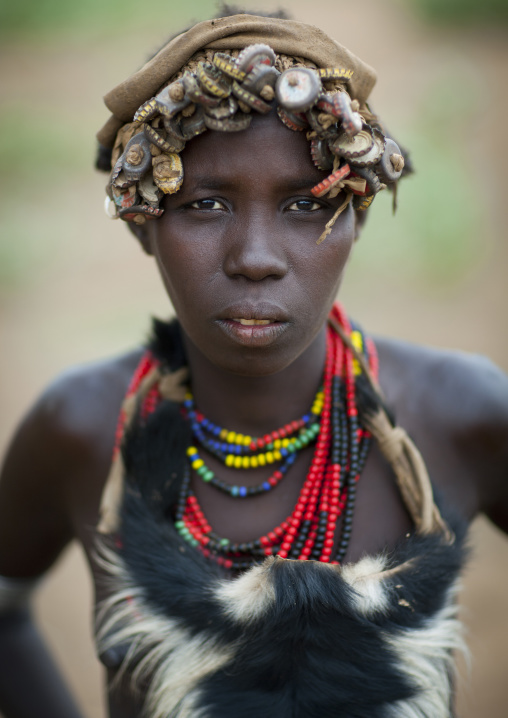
<point>236,247</point>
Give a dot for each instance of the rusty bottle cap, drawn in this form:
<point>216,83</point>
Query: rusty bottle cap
<point>297,89</point>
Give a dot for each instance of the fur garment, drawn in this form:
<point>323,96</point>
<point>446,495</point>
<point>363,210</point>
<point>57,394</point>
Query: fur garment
<point>284,639</point>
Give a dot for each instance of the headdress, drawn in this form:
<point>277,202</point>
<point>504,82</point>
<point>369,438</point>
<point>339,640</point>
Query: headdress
<point>213,77</point>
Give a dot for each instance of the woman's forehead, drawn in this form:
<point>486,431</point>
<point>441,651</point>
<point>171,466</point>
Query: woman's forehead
<point>267,144</point>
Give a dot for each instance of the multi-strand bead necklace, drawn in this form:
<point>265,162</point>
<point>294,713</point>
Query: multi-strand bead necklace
<point>245,452</point>
<point>327,498</point>
<point>328,493</point>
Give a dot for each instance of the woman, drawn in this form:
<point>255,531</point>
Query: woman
<point>251,229</point>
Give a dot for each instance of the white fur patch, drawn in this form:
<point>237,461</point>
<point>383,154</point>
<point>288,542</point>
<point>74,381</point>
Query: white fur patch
<point>426,658</point>
<point>173,660</point>
<point>248,596</point>
<point>366,578</point>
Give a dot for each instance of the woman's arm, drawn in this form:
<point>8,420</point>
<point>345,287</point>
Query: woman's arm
<point>485,441</point>
<point>30,683</point>
<point>34,528</point>
<point>50,488</point>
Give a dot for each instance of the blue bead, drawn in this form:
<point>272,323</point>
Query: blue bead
<point>243,491</point>
<point>305,418</point>
<point>266,486</point>
<point>283,451</point>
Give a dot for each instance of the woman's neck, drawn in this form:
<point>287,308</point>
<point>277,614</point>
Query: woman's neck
<point>256,404</point>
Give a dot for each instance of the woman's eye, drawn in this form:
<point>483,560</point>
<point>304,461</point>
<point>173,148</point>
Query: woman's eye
<point>304,205</point>
<point>206,204</point>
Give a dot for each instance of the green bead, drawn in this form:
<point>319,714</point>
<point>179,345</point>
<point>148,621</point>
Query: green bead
<point>179,525</point>
<point>298,444</point>
<point>292,448</point>
<point>208,475</point>
<point>224,542</point>
<point>202,471</point>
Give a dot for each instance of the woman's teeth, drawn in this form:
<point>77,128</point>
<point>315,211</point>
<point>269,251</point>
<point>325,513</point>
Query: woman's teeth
<point>251,322</point>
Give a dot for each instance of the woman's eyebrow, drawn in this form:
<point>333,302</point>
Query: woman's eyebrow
<point>211,183</point>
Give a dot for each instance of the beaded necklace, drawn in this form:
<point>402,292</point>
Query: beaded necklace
<point>328,494</point>
<point>242,452</point>
<point>329,490</point>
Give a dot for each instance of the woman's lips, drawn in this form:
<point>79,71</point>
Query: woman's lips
<point>252,332</point>
<point>252,322</point>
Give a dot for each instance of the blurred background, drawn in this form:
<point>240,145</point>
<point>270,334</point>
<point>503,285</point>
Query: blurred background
<point>74,286</point>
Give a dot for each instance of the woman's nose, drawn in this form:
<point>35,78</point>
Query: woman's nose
<point>255,250</point>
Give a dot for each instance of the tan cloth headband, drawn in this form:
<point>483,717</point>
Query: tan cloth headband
<point>286,37</point>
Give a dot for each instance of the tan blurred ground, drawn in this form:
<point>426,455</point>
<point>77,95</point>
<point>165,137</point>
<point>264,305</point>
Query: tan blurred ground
<point>92,290</point>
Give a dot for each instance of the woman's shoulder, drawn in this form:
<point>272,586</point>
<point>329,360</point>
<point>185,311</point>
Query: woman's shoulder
<point>83,400</point>
<point>58,462</point>
<point>78,413</point>
<point>455,405</point>
<point>449,385</point>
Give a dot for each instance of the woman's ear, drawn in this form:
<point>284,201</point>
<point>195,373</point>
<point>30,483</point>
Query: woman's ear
<point>360,217</point>
<point>140,231</point>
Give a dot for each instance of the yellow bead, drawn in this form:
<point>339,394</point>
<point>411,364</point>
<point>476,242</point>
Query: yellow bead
<point>238,462</point>
<point>254,462</point>
<point>285,443</point>
<point>269,457</point>
<point>277,455</point>
<point>261,459</point>
<point>245,462</point>
<point>191,450</point>
<point>247,440</point>
<point>197,463</point>
<point>356,340</point>
<point>188,395</point>
<point>239,439</point>
<point>230,458</point>
<point>231,436</point>
<point>223,434</point>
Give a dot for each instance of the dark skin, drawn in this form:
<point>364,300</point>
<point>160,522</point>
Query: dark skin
<point>237,243</point>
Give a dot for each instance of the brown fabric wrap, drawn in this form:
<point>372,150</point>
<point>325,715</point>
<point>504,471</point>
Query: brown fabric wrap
<point>286,37</point>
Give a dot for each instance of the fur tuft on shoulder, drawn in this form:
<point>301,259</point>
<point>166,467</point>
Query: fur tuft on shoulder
<point>166,343</point>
